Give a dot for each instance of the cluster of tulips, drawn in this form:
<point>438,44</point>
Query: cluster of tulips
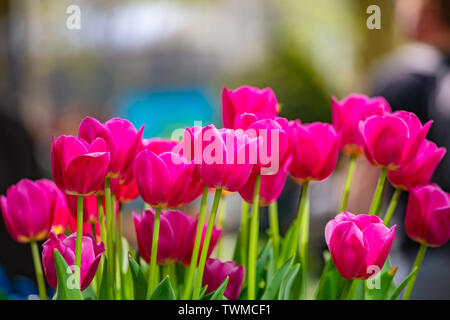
<point>79,215</point>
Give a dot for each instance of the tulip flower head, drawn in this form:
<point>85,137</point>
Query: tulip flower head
<point>125,192</point>
<point>27,211</point>
<point>392,141</point>
<point>92,252</point>
<point>158,145</point>
<point>316,149</point>
<point>247,100</point>
<point>427,218</point>
<point>122,140</point>
<point>359,244</point>
<point>78,167</point>
<point>217,271</point>
<point>420,170</point>
<point>347,114</point>
<point>90,208</point>
<point>176,236</point>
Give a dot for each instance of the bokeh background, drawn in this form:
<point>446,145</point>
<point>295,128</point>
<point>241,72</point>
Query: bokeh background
<point>164,64</point>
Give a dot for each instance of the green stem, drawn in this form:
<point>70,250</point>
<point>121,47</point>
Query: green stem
<point>244,234</point>
<point>377,197</point>
<point>298,221</point>
<point>119,246</point>
<point>205,247</point>
<point>38,270</point>
<point>101,218</point>
<point>348,183</point>
<point>195,251</point>
<point>220,225</point>
<point>274,230</point>
<point>109,232</point>
<point>253,241</point>
<point>417,263</point>
<point>392,205</point>
<point>173,277</point>
<point>152,280</point>
<point>304,239</point>
<point>346,292</point>
<point>79,238</point>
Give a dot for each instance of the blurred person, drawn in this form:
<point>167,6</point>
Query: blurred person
<point>417,78</point>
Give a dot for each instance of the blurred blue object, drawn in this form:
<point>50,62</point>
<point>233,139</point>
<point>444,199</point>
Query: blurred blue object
<point>5,285</point>
<point>163,110</point>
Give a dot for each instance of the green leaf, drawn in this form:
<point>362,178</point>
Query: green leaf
<point>331,282</point>
<point>202,293</point>
<point>66,288</point>
<point>385,281</point>
<point>402,285</point>
<point>263,258</point>
<point>287,283</point>
<point>106,289</point>
<point>218,294</point>
<point>163,291</point>
<point>89,293</point>
<point>139,281</point>
<point>274,285</point>
<point>286,244</point>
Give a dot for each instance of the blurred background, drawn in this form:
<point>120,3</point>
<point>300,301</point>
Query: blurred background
<point>164,64</point>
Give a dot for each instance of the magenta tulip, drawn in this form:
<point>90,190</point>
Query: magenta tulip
<point>392,141</point>
<point>419,171</point>
<point>79,168</point>
<point>158,145</point>
<point>176,236</point>
<point>125,192</point>
<point>222,157</point>
<point>217,271</point>
<point>359,244</point>
<point>90,208</point>
<point>27,211</point>
<point>92,252</point>
<point>427,218</point>
<point>164,180</point>
<point>122,139</point>
<point>247,100</point>
<point>347,114</point>
<point>316,149</point>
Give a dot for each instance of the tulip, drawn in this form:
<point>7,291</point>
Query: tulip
<point>122,139</point>
<point>92,252</point>
<point>124,192</point>
<point>427,218</point>
<point>392,141</point>
<point>79,168</point>
<point>176,236</point>
<point>347,114</point>
<point>163,180</point>
<point>316,148</point>
<point>420,170</point>
<point>27,211</point>
<point>359,244</point>
<point>217,271</point>
<point>158,145</point>
<point>247,100</point>
<point>90,208</point>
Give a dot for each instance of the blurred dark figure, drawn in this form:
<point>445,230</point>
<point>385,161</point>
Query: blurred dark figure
<point>417,79</point>
<point>17,161</point>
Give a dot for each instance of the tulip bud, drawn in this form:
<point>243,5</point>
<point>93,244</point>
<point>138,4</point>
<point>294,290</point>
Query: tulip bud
<point>217,271</point>
<point>427,218</point>
<point>92,252</point>
<point>359,244</point>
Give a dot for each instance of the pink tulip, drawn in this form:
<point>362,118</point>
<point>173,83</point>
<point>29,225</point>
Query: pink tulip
<point>58,205</point>
<point>79,168</point>
<point>419,171</point>
<point>90,208</point>
<point>427,218</point>
<point>92,252</point>
<point>392,141</point>
<point>176,236</point>
<point>359,244</point>
<point>122,139</point>
<point>347,114</point>
<point>27,211</point>
<point>316,149</point>
<point>217,271</point>
<point>247,100</point>
<point>125,192</point>
<point>164,180</point>
<point>222,157</point>
<point>270,188</point>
